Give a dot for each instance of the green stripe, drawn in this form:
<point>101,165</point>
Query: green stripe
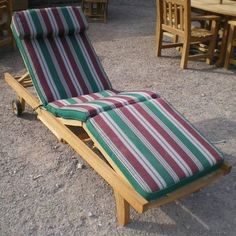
<point>139,97</point>
<point>36,22</point>
<point>66,13</point>
<point>28,65</point>
<point>179,134</point>
<point>84,64</point>
<point>139,144</point>
<point>122,168</point>
<point>53,75</point>
<point>71,101</point>
<point>106,93</point>
<point>67,113</point>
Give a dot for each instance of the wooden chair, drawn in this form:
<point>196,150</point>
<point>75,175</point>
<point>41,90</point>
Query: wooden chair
<point>174,17</point>
<point>5,20</point>
<point>96,9</point>
<point>230,45</point>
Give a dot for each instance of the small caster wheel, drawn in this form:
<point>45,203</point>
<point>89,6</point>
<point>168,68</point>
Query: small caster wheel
<point>17,107</point>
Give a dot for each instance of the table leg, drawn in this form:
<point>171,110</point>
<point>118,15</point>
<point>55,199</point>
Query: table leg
<point>220,61</point>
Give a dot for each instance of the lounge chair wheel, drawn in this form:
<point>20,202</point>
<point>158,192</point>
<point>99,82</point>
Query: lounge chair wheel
<point>17,107</point>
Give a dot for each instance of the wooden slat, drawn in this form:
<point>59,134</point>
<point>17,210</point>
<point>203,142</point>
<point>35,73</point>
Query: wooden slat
<point>170,13</point>
<point>164,12</point>
<point>181,23</point>
<point>176,17</point>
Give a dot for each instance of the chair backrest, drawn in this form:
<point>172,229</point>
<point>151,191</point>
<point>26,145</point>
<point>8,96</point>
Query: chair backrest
<point>174,16</point>
<point>58,54</point>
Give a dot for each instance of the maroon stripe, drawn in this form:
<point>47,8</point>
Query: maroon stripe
<point>58,104</point>
<point>126,153</point>
<point>75,67</point>
<point>79,19</point>
<point>91,110</point>
<point>83,99</point>
<point>39,70</point>
<point>57,17</point>
<point>168,138</point>
<point>146,93</point>
<point>157,146</point>
<point>190,129</point>
<point>93,58</point>
<point>114,101</point>
<point>25,26</point>
<point>63,67</point>
<point>95,96</point>
<point>47,22</point>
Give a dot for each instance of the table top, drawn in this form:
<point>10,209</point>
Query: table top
<point>227,8</point>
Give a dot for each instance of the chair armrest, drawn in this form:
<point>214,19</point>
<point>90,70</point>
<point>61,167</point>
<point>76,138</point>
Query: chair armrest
<point>232,22</point>
<point>205,18</point>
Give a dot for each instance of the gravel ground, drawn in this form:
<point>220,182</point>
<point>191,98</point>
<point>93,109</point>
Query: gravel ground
<point>42,192</point>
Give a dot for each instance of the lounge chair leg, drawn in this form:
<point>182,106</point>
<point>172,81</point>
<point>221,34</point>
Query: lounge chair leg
<point>22,101</point>
<point>122,209</point>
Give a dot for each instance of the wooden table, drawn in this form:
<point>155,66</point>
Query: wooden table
<point>227,10</point>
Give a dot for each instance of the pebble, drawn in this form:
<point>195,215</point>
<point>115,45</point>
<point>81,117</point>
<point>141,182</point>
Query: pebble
<point>227,189</point>
<point>80,166</point>
<point>90,214</point>
<point>36,177</point>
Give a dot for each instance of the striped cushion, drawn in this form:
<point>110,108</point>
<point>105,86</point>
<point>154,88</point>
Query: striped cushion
<point>156,149</point>
<point>83,107</point>
<point>62,67</point>
<point>49,22</point>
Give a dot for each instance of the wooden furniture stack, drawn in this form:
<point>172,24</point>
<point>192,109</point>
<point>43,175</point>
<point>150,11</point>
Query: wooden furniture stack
<point>5,21</point>
<point>96,9</point>
<point>230,57</point>
<point>174,17</point>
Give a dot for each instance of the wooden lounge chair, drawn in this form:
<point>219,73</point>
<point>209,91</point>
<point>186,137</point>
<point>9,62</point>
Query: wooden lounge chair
<point>151,154</point>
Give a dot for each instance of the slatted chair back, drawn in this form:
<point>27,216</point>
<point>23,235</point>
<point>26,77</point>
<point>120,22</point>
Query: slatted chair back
<point>58,54</point>
<point>174,16</point>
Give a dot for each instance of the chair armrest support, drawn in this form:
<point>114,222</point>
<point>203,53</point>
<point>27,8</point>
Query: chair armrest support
<point>205,18</point>
<point>232,22</point>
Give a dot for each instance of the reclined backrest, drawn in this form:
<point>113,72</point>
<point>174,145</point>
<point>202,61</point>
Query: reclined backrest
<point>58,53</point>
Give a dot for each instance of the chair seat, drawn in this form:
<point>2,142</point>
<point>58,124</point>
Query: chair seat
<point>153,146</point>
<point>85,106</point>
<point>199,33</point>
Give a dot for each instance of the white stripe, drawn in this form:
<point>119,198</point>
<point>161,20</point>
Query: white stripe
<point>89,61</point>
<point>156,135</point>
<point>133,149</point>
<point>150,147</point>
<point>45,70</point>
<point>78,63</point>
<point>179,142</point>
<point>121,157</point>
<point>195,142</point>
<point>58,69</point>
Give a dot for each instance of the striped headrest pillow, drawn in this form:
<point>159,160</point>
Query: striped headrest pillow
<point>49,22</point>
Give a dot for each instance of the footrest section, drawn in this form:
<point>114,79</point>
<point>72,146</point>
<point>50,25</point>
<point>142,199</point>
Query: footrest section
<point>154,147</point>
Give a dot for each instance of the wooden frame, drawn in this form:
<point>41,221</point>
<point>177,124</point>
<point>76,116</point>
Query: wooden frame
<point>125,195</point>
<point>174,18</point>
<point>96,9</point>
